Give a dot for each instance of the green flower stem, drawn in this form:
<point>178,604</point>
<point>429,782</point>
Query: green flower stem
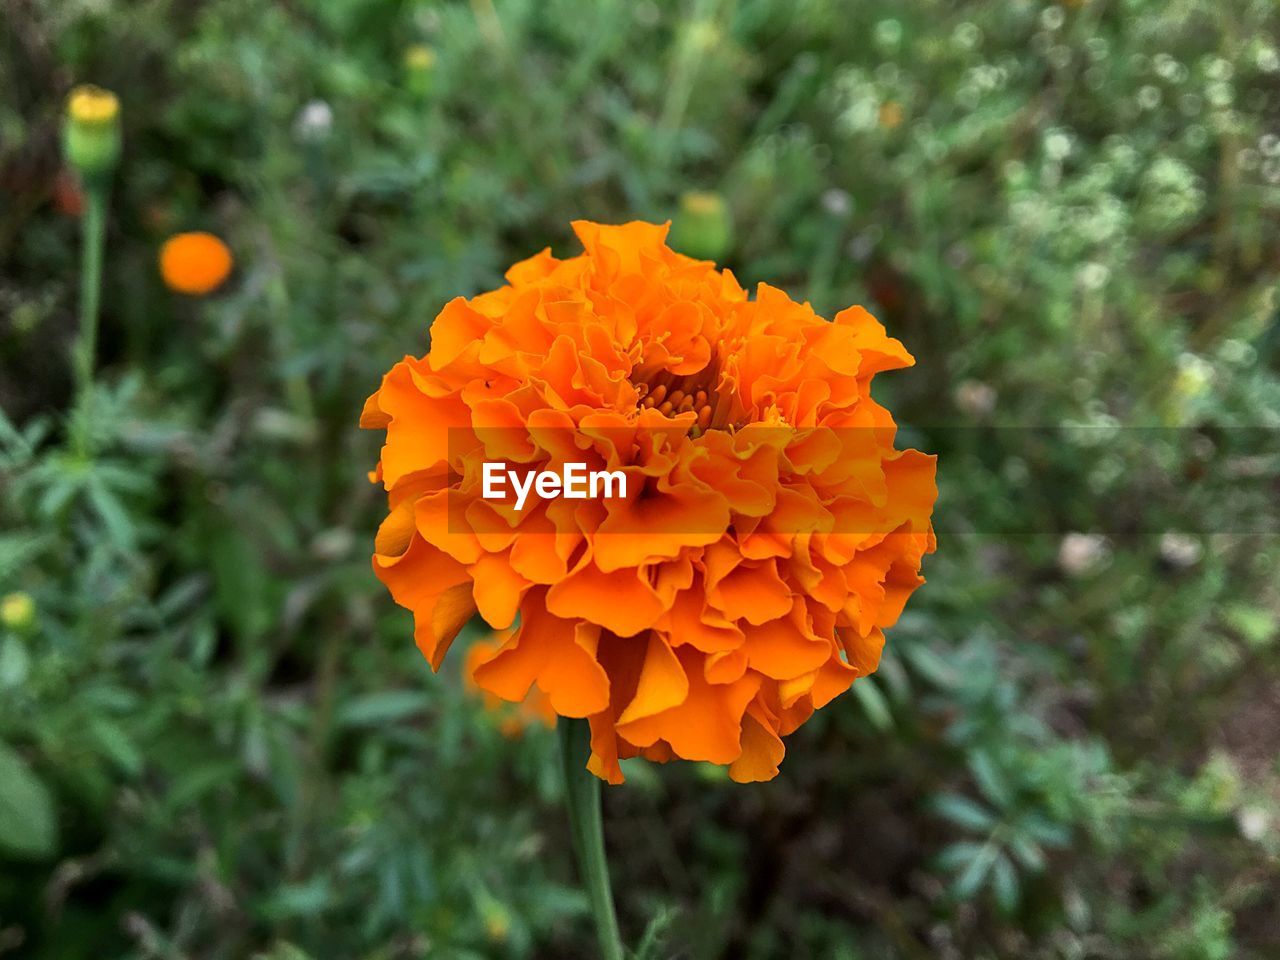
<point>582,794</point>
<point>95,223</point>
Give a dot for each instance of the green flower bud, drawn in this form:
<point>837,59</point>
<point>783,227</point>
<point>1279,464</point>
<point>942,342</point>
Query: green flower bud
<point>703,228</point>
<point>91,132</point>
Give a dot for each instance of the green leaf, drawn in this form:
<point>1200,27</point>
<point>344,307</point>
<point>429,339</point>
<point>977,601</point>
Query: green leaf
<point>873,703</point>
<point>963,811</point>
<point>1004,884</point>
<point>15,664</point>
<point>297,900</point>
<point>930,665</point>
<point>975,873</point>
<point>990,780</point>
<point>196,782</point>
<point>1049,834</point>
<point>113,514</point>
<point>27,824</point>
<point>283,950</point>
<point>1257,625</point>
<point>1027,851</point>
<point>956,855</point>
<point>17,550</point>
<point>241,581</point>
<point>117,744</point>
<point>650,945</point>
<point>893,676</point>
<point>388,706</point>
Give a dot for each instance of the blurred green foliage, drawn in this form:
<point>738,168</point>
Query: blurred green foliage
<point>216,737</point>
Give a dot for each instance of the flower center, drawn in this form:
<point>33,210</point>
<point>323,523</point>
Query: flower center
<point>672,395</point>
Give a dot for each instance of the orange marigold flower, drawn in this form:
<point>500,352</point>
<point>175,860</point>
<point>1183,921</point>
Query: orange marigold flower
<point>890,115</point>
<point>770,531</point>
<point>533,709</point>
<point>194,263</point>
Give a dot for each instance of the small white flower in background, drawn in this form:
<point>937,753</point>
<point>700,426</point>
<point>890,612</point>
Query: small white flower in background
<point>858,101</point>
<point>1220,93</point>
<point>967,35</point>
<point>332,544</point>
<point>864,244</point>
<point>888,33</point>
<point>1093,276</point>
<point>1057,144</point>
<point>314,122</point>
<point>1168,68</point>
<point>837,202</point>
<point>1194,375</point>
<point>427,20</point>
<point>1219,69</point>
<point>1254,822</point>
<point>1238,353</point>
<point>1051,18</point>
<point>1170,196</point>
<point>1180,550</point>
<point>1081,553</point>
<point>976,398</point>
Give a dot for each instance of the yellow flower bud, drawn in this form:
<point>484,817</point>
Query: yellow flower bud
<point>497,923</point>
<point>91,132</point>
<point>420,72</point>
<point>419,57</point>
<point>703,228</point>
<point>17,610</point>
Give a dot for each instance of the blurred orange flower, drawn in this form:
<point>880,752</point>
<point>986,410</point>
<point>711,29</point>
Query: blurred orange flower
<point>68,198</point>
<point>890,115</point>
<point>770,533</point>
<point>194,263</point>
<point>534,708</point>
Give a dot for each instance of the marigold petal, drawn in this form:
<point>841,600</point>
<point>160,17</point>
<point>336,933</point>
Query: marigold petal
<point>558,655</point>
<point>456,331</point>
<point>879,350</point>
<point>752,592</point>
<point>435,587</point>
<point>707,725</point>
<point>662,684</point>
<point>783,648</point>
<point>497,589</point>
<point>621,601</point>
<point>762,752</point>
